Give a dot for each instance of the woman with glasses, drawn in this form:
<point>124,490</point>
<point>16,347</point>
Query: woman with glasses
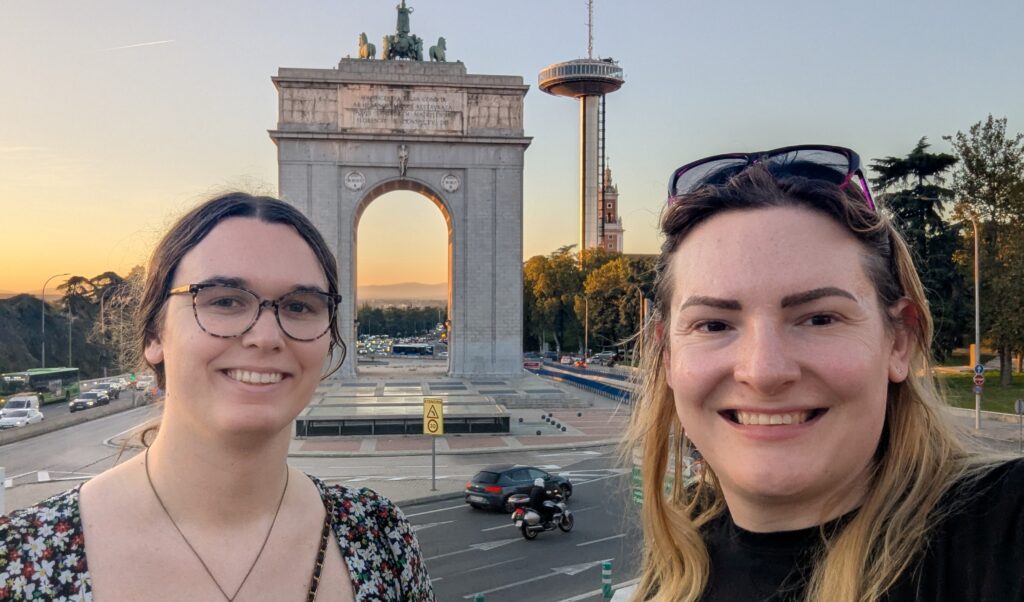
<point>237,320</point>
<point>790,346</point>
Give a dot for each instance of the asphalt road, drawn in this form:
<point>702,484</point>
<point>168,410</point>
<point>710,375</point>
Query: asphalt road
<point>469,552</point>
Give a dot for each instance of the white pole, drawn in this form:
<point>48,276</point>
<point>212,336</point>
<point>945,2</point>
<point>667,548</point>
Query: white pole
<point>3,488</point>
<point>42,297</point>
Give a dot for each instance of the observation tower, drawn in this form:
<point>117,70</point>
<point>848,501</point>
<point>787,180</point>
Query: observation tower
<point>589,80</point>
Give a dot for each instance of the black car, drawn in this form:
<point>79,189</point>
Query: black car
<point>89,399</point>
<point>491,487</point>
<point>112,391</point>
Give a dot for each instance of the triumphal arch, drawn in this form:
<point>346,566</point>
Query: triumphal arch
<point>347,135</point>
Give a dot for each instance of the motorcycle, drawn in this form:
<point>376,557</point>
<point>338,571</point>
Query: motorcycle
<point>528,520</point>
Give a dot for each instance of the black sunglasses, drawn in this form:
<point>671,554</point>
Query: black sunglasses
<point>833,164</point>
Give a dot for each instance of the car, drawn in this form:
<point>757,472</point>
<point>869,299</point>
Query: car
<point>20,401</point>
<point>112,391</point>
<point>566,360</point>
<point>491,487</point>
<point>604,357</point>
<point>531,364</point>
<point>87,400</point>
<point>18,418</point>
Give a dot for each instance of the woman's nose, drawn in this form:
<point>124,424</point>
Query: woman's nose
<point>765,360</point>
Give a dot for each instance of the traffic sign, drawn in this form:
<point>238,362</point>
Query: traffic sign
<point>433,416</point>
<point>977,389</point>
<point>979,369</point>
<point>979,379</point>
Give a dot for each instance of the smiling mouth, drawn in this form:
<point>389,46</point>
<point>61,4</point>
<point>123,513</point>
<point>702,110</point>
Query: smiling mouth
<point>759,419</point>
<point>254,378</point>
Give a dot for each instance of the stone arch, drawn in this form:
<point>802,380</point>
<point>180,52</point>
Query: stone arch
<point>383,187</point>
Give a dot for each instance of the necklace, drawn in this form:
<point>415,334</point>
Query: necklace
<point>200,558</point>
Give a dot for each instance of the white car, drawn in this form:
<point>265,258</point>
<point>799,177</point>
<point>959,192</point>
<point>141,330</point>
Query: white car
<point>18,418</point>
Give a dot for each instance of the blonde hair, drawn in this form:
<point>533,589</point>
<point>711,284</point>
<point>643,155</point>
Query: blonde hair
<point>919,456</point>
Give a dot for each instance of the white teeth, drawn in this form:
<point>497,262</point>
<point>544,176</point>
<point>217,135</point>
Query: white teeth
<point>772,419</point>
<point>255,378</point>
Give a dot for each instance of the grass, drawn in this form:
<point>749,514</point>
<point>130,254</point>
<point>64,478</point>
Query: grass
<point>994,397</point>
<point>961,357</point>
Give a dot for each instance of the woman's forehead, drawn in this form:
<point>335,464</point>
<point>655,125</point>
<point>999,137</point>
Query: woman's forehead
<point>768,252</point>
<point>258,252</point>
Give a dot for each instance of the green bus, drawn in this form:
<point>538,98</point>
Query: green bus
<point>52,384</point>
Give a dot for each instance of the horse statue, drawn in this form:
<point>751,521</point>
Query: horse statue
<point>403,47</point>
<point>385,48</point>
<point>366,49</point>
<point>437,52</point>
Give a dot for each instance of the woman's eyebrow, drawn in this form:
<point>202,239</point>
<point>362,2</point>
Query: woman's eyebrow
<point>787,301</point>
<point>815,294</point>
<point>715,302</point>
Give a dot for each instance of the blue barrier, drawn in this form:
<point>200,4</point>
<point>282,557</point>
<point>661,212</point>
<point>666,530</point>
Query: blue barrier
<point>599,388</point>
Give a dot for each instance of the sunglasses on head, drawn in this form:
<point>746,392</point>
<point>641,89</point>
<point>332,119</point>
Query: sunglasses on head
<point>833,164</point>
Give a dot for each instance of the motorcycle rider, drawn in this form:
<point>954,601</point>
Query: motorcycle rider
<point>540,501</point>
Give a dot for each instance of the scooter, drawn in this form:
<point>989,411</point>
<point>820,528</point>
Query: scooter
<point>528,521</point>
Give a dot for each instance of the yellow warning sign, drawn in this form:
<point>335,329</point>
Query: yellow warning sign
<point>433,416</point>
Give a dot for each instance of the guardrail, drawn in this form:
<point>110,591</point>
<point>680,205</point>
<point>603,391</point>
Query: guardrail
<point>598,388</point>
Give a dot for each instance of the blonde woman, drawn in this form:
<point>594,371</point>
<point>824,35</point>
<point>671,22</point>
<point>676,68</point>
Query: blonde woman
<point>790,347</point>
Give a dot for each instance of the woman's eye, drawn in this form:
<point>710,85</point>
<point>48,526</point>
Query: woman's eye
<point>711,326</point>
<point>821,320</point>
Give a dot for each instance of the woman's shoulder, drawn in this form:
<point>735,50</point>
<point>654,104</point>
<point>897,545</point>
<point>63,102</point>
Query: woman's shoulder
<point>53,516</point>
<point>360,504</point>
<point>42,548</point>
<point>990,487</point>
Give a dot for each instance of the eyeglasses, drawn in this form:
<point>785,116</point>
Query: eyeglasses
<point>227,311</point>
<point>833,164</point>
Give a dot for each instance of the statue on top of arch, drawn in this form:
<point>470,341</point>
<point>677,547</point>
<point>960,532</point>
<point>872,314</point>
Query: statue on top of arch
<point>402,45</point>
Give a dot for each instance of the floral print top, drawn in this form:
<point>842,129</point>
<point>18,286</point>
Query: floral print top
<point>42,549</point>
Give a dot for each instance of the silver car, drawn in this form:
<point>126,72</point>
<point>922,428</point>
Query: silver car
<point>18,418</point>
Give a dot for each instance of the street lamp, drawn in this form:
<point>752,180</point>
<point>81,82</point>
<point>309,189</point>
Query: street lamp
<point>977,325</point>
<point>977,322</point>
<point>43,328</point>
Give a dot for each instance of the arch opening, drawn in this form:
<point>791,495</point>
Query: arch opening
<point>403,280</point>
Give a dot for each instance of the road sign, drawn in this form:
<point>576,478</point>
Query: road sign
<point>433,416</point>
<point>977,389</point>
<point>979,379</point>
<point>979,369</point>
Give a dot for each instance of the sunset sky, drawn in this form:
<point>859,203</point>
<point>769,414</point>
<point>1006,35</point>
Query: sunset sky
<point>116,116</point>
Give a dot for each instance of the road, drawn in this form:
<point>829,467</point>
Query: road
<point>469,552</point>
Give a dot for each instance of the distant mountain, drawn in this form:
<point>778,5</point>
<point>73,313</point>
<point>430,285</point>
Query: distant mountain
<point>404,291</point>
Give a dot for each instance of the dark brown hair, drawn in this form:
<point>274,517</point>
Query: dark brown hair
<point>191,229</point>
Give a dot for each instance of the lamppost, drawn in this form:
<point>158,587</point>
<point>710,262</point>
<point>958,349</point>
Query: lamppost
<point>977,325</point>
<point>43,328</point>
<point>977,322</point>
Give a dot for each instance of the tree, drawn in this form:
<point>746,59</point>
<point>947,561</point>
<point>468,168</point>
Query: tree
<point>555,281</point>
<point>914,194</point>
<point>989,187</point>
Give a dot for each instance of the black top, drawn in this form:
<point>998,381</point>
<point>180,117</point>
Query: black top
<point>975,554</point>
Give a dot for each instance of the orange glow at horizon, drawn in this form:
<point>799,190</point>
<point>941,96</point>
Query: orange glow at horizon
<point>401,237</point>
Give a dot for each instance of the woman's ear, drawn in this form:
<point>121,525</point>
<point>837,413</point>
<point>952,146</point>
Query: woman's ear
<point>154,352</point>
<point>907,321</point>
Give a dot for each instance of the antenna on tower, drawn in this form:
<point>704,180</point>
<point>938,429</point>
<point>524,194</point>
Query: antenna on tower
<point>590,29</point>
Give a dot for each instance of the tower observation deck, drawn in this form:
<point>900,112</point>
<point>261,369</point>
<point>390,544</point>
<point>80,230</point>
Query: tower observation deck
<point>588,80</point>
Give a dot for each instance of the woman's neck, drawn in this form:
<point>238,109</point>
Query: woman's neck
<point>219,480</point>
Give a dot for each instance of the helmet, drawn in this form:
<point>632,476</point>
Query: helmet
<point>538,482</point>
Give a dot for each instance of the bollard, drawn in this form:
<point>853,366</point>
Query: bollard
<point>3,478</point>
<point>606,579</point>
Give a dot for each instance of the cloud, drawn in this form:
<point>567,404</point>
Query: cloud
<point>157,43</point>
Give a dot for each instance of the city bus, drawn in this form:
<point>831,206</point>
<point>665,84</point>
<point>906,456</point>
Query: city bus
<point>412,349</point>
<point>52,384</point>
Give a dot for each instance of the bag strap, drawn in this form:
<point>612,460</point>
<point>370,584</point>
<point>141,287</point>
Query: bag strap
<point>318,567</point>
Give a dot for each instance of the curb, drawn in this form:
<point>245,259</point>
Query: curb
<point>438,497</point>
<point>454,452</point>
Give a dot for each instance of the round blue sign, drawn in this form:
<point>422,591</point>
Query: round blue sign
<point>979,369</point>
